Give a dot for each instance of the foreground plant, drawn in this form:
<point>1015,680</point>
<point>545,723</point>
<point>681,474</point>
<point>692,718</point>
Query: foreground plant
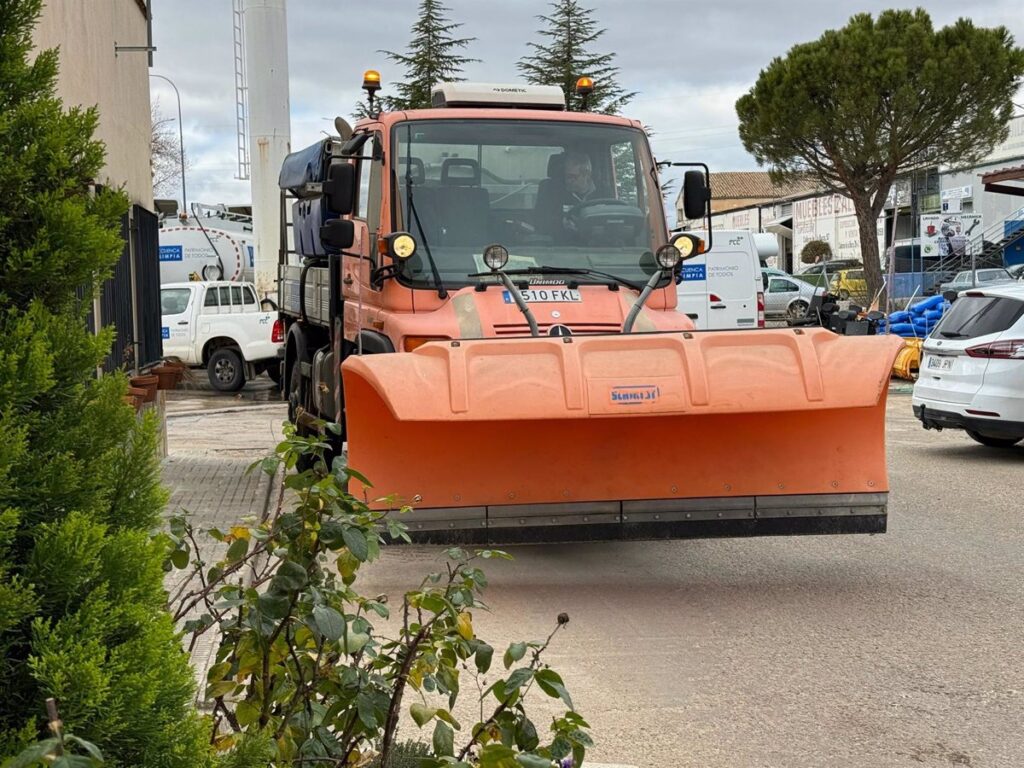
<point>303,676</point>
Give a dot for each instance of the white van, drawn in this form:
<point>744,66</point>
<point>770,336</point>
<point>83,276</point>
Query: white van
<point>722,290</point>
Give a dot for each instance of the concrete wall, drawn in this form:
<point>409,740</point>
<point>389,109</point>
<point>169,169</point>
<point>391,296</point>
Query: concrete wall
<point>91,74</point>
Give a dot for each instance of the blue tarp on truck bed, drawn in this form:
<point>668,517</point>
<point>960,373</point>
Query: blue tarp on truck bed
<point>304,166</point>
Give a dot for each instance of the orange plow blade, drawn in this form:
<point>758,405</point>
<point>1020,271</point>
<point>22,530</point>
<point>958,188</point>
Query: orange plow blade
<point>777,431</point>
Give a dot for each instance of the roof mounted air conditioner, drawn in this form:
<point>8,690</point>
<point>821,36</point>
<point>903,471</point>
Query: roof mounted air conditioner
<point>498,95</point>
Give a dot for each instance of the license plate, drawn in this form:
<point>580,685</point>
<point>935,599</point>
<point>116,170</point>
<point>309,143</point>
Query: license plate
<point>541,295</point>
<point>940,363</point>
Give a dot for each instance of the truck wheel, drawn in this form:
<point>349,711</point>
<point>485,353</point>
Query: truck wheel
<point>993,442</point>
<point>227,374</point>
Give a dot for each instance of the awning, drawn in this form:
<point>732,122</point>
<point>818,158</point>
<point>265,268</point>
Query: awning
<point>782,227</point>
<point>996,181</point>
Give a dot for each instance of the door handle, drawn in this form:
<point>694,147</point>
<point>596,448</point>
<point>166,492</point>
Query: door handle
<point>347,280</point>
<point>718,306</point>
<point>183,322</point>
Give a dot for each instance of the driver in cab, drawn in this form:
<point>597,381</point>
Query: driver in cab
<point>562,192</point>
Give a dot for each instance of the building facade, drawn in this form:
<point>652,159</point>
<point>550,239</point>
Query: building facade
<point>105,56</point>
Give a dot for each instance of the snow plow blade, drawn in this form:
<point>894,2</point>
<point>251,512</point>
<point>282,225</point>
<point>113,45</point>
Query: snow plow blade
<point>676,435</point>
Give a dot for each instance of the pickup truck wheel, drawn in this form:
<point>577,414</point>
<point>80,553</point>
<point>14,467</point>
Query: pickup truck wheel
<point>227,373</point>
<point>273,370</point>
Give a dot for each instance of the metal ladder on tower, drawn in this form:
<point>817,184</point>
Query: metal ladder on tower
<point>241,92</point>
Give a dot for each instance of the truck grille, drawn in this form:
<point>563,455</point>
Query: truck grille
<point>522,329</point>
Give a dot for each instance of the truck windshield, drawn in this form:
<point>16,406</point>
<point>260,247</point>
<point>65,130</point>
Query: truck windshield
<point>556,194</point>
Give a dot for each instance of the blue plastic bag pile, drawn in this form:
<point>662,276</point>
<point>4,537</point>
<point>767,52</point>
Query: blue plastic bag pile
<point>916,321</point>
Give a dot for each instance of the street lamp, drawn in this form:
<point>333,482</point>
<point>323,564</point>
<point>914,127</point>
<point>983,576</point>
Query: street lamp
<point>181,142</point>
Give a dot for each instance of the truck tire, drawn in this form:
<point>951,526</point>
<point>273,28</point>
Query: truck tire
<point>227,373</point>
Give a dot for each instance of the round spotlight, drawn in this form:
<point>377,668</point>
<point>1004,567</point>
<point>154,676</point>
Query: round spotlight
<point>495,257</point>
<point>403,245</point>
<point>668,256</point>
<point>688,245</point>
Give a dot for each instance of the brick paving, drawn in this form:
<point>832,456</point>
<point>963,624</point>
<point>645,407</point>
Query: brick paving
<point>210,445</point>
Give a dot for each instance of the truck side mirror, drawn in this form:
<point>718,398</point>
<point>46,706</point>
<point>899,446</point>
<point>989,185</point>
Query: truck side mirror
<point>340,188</point>
<point>696,195</point>
<point>338,233</point>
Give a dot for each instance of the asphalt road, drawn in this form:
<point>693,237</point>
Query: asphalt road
<point>895,650</point>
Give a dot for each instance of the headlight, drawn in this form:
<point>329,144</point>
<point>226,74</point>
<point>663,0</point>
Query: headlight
<point>401,245</point>
<point>495,257</point>
<point>668,256</point>
<point>688,245</point>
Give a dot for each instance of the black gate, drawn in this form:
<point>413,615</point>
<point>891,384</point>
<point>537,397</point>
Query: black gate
<point>130,299</point>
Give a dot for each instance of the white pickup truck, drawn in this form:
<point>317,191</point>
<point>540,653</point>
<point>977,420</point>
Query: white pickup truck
<point>221,326</point>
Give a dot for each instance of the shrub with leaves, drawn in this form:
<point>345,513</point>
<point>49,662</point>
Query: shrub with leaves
<point>81,580</point>
<point>815,251</point>
<point>302,669</point>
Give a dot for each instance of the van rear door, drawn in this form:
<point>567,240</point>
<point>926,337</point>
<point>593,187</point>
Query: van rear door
<point>733,281</point>
<point>692,291</point>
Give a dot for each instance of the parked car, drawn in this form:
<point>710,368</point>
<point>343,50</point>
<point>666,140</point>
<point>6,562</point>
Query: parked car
<point>972,368</point>
<point>821,273</point>
<point>963,280</point>
<point>221,326</point>
<point>769,272</point>
<point>788,297</point>
<point>849,282</point>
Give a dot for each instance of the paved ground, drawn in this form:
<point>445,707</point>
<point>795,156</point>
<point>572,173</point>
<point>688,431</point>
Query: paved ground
<point>894,650</point>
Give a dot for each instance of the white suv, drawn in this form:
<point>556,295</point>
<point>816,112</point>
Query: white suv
<point>972,370</point>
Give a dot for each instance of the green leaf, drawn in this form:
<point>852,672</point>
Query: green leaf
<point>218,672</point>
<point>526,735</point>
<point>355,540</point>
<point>222,688</point>
<point>518,678</point>
<point>33,754</point>
<point>364,705</point>
<point>332,534</point>
<point>444,739</point>
<point>422,714</point>
<point>290,576</point>
<point>273,606</point>
<point>354,642</point>
<point>247,713</point>
<point>497,755</point>
<point>330,622</point>
<point>88,746</point>
<point>239,548</point>
<point>515,652</point>
<point>534,761</point>
<point>484,653</point>
<point>179,558</point>
<point>551,683</point>
<point>444,714</point>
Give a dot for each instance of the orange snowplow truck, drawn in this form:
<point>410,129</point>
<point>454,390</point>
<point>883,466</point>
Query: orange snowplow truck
<point>482,294</point>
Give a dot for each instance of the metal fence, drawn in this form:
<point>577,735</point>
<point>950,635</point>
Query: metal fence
<point>130,300</point>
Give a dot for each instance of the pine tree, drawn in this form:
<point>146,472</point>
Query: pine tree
<point>431,59</point>
<point>570,30</point>
<point>81,577</point>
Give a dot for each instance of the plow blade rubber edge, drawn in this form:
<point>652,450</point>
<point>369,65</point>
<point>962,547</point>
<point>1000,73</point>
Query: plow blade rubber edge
<point>780,431</point>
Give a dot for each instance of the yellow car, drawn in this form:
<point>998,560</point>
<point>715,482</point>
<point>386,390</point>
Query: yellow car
<point>849,282</point>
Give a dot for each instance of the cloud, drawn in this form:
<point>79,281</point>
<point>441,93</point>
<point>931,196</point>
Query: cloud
<point>688,62</point>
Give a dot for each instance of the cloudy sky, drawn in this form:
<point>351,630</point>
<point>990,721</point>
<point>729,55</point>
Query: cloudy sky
<point>688,61</point>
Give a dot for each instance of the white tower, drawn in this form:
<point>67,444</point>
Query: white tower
<point>266,70</point>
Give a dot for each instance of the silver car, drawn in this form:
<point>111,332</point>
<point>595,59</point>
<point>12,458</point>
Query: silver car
<point>786,297</point>
<point>987,277</point>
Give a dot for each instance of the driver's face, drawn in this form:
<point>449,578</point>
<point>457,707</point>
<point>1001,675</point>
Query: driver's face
<point>577,178</point>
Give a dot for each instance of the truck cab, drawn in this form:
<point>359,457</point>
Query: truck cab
<point>571,197</point>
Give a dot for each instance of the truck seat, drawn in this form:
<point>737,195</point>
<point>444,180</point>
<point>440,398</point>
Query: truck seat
<point>463,205</point>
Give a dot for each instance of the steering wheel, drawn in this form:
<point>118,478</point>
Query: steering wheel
<point>575,211</point>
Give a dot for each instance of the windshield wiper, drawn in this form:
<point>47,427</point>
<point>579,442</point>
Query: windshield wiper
<point>548,270</point>
<point>442,292</point>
